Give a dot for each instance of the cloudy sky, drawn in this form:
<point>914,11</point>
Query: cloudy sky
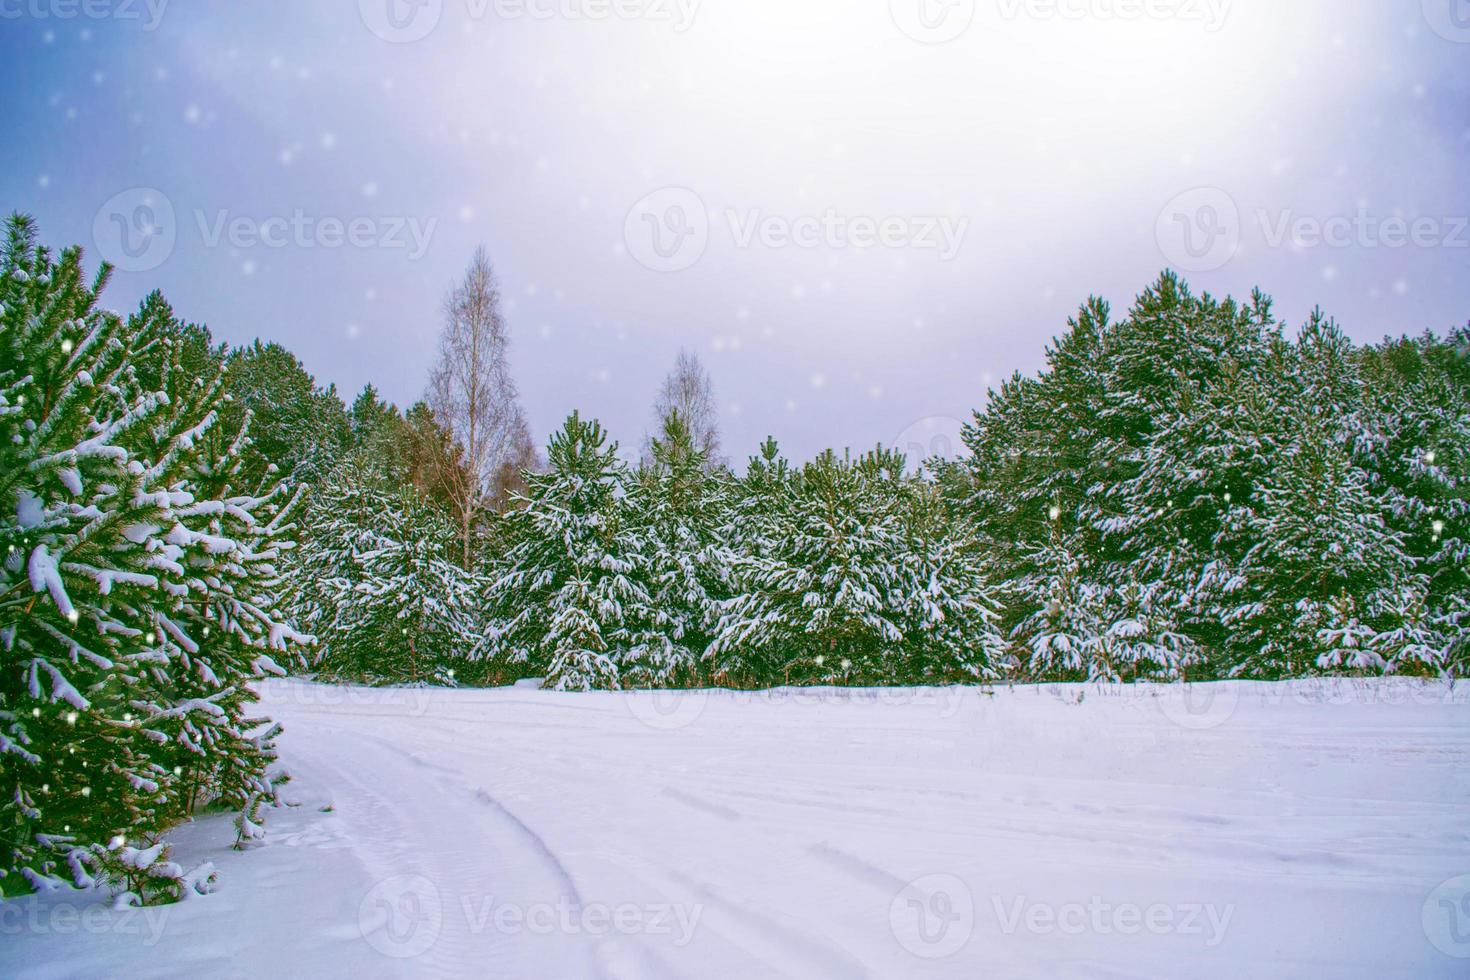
<point>859,213</point>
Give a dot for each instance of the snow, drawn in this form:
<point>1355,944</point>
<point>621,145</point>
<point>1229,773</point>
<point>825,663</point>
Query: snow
<point>71,478</point>
<point>29,510</point>
<point>1312,828</point>
<point>45,575</point>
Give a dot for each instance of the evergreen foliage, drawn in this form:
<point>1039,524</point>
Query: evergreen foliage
<point>139,589</point>
<point>1229,502</point>
<point>299,429</point>
<point>571,598</point>
<point>386,595</point>
<point>681,504</point>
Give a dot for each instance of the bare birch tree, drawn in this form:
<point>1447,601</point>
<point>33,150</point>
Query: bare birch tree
<point>687,390</point>
<point>474,398</point>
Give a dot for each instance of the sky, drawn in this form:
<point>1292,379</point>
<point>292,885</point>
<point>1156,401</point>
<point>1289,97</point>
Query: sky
<point>860,214</point>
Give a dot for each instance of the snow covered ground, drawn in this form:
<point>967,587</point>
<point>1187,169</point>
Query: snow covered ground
<point>1244,830</point>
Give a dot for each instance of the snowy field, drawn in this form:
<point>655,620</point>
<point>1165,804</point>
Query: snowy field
<point>1251,830</point>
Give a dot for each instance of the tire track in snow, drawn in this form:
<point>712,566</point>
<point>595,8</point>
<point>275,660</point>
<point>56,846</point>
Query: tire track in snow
<point>704,806</point>
<point>538,844</point>
<point>404,828</point>
<point>800,947</point>
<point>858,869</point>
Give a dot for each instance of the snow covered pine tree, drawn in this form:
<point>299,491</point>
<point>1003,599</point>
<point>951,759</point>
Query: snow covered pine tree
<point>380,579</point>
<point>815,607</point>
<point>138,584</point>
<point>947,607</point>
<point>680,505</point>
<point>850,577</point>
<point>570,594</point>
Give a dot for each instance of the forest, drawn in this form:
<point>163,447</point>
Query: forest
<point>1188,492</point>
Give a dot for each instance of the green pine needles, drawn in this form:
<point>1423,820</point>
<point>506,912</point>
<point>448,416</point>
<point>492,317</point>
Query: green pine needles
<point>140,577</point>
<point>1187,493</point>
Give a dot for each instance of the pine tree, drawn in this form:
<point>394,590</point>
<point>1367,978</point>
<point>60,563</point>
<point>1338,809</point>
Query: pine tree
<point>1061,638</point>
<point>1344,641</point>
<point>1416,451</point>
<point>1315,548</point>
<point>680,508</point>
<point>1038,445</point>
<point>1145,639</point>
<point>818,607</point>
<point>341,516</point>
<point>1183,414</point>
<point>948,609</point>
<point>138,589</point>
<point>415,598</point>
<point>298,430</point>
<point>371,417</point>
<point>570,595</point>
<point>381,581</point>
<point>1273,503</point>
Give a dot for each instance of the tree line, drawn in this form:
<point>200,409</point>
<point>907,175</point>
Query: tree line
<point>1187,492</point>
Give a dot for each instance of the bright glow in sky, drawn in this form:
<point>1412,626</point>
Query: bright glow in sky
<point>1058,135</point>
